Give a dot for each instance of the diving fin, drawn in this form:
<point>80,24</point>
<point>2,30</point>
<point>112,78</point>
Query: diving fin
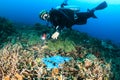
<point>92,13</point>
<point>101,6</point>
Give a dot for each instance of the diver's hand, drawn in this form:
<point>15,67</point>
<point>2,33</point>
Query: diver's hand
<point>55,35</point>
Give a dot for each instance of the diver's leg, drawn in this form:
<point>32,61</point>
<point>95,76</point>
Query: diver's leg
<point>82,18</point>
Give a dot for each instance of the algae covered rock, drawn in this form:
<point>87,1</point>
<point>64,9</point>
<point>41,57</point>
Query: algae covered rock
<point>66,45</point>
<point>33,40</point>
<point>6,29</point>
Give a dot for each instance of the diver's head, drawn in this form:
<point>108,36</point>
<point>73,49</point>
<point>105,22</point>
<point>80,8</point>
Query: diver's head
<point>44,15</point>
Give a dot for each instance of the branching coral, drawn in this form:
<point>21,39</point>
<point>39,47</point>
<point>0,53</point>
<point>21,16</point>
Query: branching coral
<point>25,63</point>
<point>9,57</point>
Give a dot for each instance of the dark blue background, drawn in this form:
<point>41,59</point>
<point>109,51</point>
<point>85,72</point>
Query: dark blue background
<point>107,26</point>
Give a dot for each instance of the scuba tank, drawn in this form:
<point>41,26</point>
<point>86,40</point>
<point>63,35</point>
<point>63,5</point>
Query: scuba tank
<point>65,5</point>
<point>72,7</point>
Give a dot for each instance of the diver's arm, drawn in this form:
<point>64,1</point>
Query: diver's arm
<point>57,32</point>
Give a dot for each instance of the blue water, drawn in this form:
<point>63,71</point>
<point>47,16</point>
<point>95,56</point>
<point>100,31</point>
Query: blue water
<point>107,26</point>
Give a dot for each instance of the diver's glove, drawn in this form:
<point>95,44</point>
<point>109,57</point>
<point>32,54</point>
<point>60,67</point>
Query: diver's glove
<point>55,35</point>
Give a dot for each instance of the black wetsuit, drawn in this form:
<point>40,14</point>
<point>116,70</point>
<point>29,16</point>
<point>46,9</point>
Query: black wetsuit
<point>63,17</point>
<point>67,18</point>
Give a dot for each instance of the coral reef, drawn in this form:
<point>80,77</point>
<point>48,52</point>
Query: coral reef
<point>21,57</point>
<point>18,62</point>
<point>6,29</point>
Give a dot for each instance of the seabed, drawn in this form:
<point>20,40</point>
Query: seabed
<point>73,56</point>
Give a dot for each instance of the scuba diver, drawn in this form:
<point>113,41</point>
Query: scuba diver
<point>64,17</point>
